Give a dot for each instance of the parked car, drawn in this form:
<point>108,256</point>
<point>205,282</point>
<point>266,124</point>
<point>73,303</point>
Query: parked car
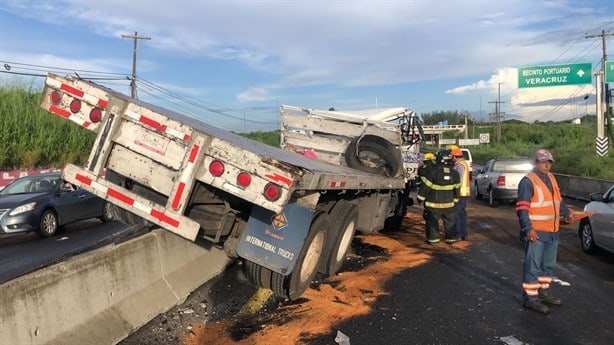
<point>499,177</point>
<point>597,230</point>
<point>467,157</point>
<point>44,202</point>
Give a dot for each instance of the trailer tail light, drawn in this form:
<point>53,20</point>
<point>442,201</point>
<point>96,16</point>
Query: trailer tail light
<point>216,168</point>
<point>272,192</point>
<point>244,179</point>
<point>75,106</point>
<point>501,181</point>
<point>56,97</point>
<point>95,115</point>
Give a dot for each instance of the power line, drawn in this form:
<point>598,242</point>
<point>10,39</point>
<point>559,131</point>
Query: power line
<point>587,51</point>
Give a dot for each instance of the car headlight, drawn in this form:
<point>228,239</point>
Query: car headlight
<point>23,208</point>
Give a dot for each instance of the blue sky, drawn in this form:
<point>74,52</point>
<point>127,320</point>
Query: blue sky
<point>233,62</point>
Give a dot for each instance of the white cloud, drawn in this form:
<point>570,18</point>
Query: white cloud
<point>254,94</point>
<point>274,49</point>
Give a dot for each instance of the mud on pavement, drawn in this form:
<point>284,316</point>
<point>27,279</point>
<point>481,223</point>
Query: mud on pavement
<point>213,313</point>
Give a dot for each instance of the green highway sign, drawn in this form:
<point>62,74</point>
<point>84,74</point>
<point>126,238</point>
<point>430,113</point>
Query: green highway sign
<point>609,71</point>
<point>555,75</point>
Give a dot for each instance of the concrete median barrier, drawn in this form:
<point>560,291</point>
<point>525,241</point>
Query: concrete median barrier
<point>102,296</point>
<point>581,187</point>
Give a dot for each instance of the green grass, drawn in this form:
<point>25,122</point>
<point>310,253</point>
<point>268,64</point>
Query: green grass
<point>33,138</point>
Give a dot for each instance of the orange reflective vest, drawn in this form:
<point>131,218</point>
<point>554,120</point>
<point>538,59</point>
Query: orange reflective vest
<point>545,206</point>
<point>465,189</point>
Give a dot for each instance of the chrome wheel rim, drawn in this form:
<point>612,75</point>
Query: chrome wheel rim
<point>49,223</point>
<point>312,256</point>
<point>587,236</point>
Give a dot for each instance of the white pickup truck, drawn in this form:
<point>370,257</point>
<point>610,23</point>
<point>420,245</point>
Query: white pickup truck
<point>286,215</point>
<point>499,177</point>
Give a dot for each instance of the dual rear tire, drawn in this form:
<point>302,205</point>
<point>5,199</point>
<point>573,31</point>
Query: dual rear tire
<point>293,285</point>
<point>324,250</point>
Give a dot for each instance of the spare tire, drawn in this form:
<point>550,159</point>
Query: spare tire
<point>374,154</point>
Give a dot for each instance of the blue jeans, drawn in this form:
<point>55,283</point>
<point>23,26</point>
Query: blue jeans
<point>461,217</point>
<point>539,262</point>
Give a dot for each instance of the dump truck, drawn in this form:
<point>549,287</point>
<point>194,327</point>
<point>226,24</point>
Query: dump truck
<point>288,216</point>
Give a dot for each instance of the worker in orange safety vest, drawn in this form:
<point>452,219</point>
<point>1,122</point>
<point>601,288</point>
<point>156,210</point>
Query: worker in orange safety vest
<point>539,207</point>
<point>463,169</point>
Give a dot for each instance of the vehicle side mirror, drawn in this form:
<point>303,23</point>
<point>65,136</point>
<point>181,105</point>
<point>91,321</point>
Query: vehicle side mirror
<point>596,197</point>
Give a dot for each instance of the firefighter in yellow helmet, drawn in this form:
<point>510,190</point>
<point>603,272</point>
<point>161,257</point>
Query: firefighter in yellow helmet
<point>439,192</point>
<point>428,160</point>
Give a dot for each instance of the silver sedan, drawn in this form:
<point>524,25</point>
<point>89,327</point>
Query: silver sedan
<point>597,230</point>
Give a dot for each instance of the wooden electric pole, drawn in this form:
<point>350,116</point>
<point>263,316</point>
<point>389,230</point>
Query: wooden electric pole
<point>133,79</point>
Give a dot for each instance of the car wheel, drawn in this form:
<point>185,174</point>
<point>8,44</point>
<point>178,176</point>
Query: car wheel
<point>586,237</point>
<point>107,212</point>
<point>48,224</point>
<point>478,196</point>
<point>492,202</point>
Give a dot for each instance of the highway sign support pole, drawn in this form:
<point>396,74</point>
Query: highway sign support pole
<point>601,144</point>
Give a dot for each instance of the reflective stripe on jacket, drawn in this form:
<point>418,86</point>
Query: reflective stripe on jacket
<point>545,205</point>
<point>465,189</point>
<point>440,187</point>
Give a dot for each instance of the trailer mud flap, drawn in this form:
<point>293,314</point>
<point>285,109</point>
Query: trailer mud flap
<point>274,240</point>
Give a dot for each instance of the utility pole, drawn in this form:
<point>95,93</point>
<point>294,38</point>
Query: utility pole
<point>606,90</point>
<point>135,37</point>
<point>466,128</point>
<point>498,114</point>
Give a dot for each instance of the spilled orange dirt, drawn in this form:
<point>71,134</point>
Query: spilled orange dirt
<point>340,297</point>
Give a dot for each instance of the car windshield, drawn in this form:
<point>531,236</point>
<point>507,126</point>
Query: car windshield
<point>32,184</point>
<point>521,166</point>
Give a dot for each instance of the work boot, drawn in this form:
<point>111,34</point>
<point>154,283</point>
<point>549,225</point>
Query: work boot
<point>451,240</point>
<point>434,242</point>
<point>549,299</point>
<point>536,306</point>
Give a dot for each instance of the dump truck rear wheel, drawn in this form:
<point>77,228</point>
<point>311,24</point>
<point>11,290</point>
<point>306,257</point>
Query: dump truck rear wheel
<point>293,285</point>
<point>344,218</point>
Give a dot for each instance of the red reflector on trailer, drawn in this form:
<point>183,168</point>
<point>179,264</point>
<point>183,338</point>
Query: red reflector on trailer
<point>244,179</point>
<point>95,115</point>
<point>56,97</point>
<point>272,191</point>
<point>216,168</point>
<point>75,106</point>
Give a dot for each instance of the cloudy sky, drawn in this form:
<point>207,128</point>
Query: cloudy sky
<point>233,62</point>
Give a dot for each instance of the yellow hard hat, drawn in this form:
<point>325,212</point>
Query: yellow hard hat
<point>452,147</point>
<point>428,157</point>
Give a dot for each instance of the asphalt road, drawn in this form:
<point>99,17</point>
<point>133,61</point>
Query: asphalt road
<point>24,253</point>
<point>471,296</point>
<point>460,297</point>
<point>475,297</point>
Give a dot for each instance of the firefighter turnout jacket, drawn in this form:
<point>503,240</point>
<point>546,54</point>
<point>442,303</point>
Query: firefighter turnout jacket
<point>440,187</point>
